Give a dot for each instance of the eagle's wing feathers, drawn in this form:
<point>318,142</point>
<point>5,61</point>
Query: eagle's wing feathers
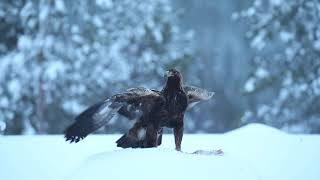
<point>196,94</point>
<point>131,103</point>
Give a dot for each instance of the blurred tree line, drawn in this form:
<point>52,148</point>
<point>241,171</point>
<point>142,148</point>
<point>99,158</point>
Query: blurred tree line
<point>286,67</point>
<point>57,57</point>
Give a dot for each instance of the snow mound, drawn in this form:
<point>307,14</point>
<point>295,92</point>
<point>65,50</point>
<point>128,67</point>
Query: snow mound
<point>251,152</point>
<point>255,151</point>
<point>159,163</point>
<point>257,129</point>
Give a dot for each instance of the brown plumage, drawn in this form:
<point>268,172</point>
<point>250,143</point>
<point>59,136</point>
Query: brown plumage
<point>151,109</point>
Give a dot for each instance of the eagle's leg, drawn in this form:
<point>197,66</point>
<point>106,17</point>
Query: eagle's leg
<point>151,136</point>
<point>178,133</point>
<point>159,136</point>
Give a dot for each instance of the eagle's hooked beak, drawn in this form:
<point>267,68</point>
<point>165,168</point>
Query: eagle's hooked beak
<point>168,74</point>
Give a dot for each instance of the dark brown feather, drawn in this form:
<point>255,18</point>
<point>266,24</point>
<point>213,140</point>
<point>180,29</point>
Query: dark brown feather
<point>151,109</point>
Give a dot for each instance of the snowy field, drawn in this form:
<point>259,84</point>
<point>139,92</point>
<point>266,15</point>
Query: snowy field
<point>253,152</point>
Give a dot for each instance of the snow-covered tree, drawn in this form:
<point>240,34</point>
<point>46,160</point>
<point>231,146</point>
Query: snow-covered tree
<point>70,54</point>
<point>287,37</point>
<point>10,27</point>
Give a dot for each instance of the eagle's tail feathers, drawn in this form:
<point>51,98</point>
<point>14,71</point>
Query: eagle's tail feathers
<point>128,142</point>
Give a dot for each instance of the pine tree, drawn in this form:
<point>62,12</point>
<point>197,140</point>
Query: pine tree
<point>286,35</point>
<point>10,26</point>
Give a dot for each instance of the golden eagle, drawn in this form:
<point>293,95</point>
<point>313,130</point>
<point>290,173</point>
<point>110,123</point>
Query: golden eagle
<point>151,109</point>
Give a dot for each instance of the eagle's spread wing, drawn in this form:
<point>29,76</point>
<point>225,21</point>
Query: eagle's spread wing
<point>131,103</point>
<point>196,94</point>
<point>133,112</point>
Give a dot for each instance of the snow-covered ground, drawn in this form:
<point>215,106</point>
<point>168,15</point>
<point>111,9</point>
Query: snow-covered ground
<point>252,152</point>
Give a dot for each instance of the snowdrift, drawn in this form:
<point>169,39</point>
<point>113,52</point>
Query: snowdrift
<point>251,152</point>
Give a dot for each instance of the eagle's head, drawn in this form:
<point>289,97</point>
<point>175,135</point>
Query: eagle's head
<point>174,78</point>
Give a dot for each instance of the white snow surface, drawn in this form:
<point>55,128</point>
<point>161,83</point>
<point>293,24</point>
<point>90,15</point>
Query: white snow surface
<point>253,152</point>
